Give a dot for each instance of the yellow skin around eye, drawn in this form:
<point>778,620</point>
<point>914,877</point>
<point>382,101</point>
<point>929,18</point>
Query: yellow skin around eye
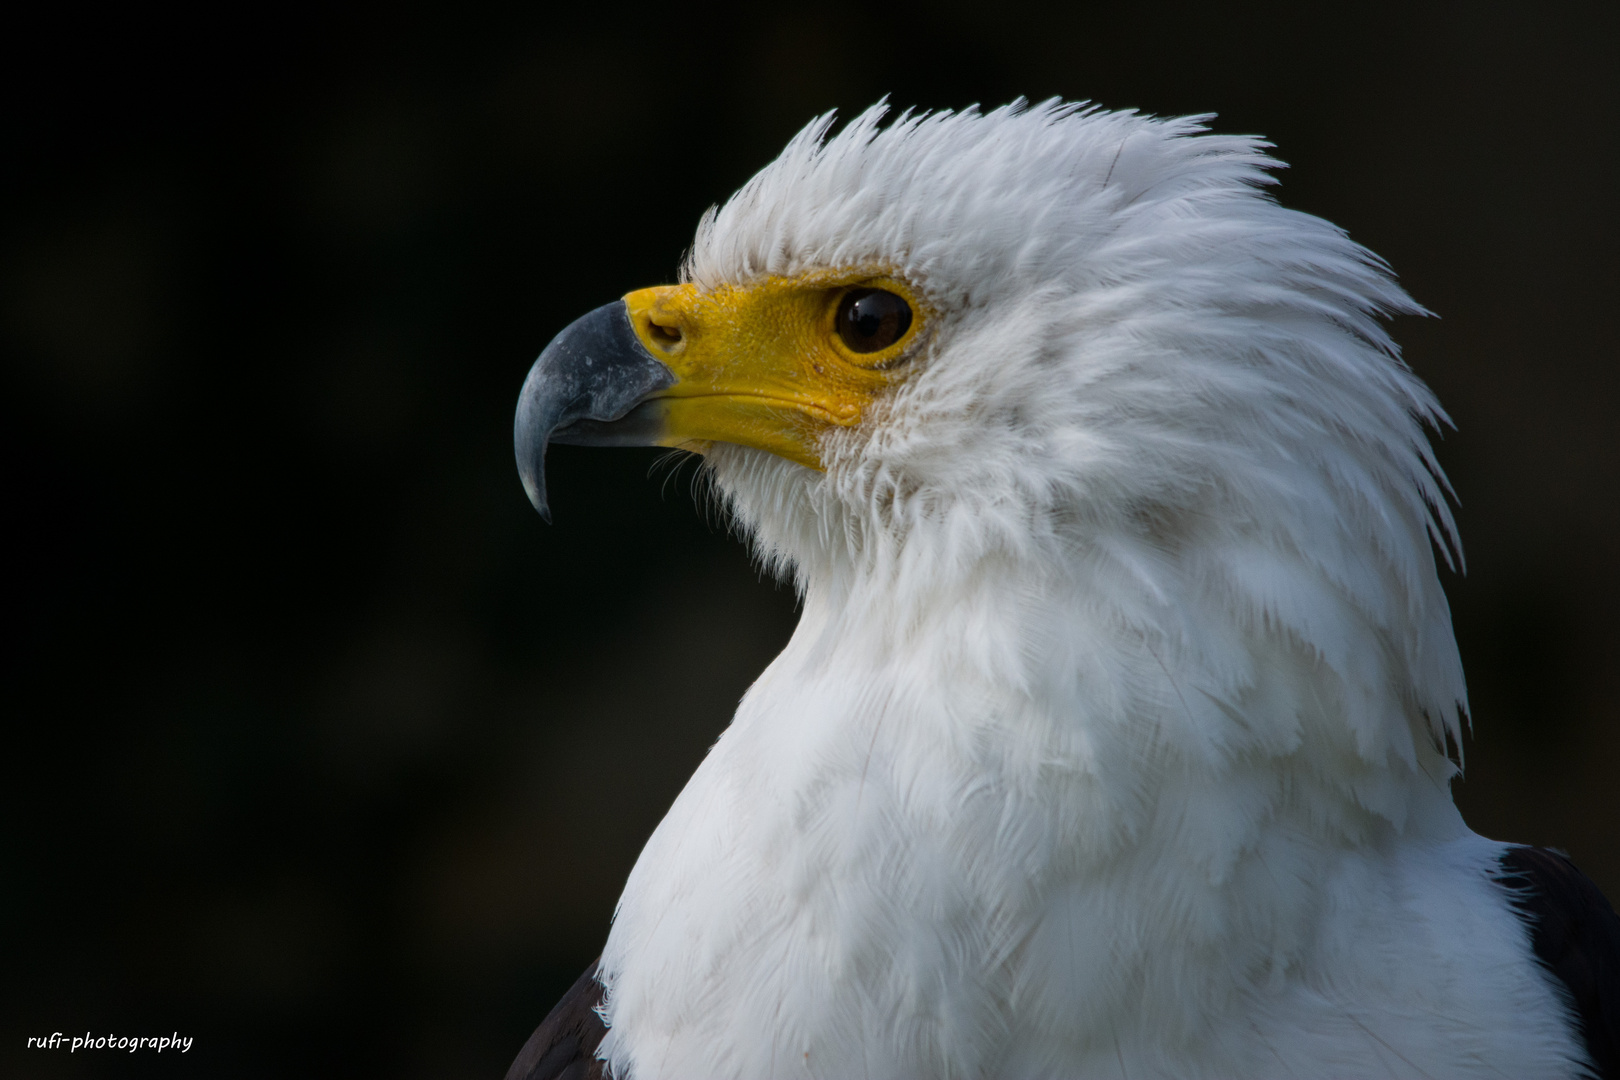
<point>762,365</point>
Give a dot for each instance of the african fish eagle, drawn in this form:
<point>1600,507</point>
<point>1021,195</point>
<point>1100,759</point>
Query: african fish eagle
<point>1114,739</point>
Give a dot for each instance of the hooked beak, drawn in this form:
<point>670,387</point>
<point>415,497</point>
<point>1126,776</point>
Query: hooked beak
<point>584,390</point>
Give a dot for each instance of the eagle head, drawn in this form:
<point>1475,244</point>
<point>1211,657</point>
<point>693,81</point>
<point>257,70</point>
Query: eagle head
<point>1084,343</point>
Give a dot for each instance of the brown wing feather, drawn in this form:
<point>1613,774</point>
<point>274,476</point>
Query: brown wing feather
<point>564,1046</point>
<point>1576,934</point>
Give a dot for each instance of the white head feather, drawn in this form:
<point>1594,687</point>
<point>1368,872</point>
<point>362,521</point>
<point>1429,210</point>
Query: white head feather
<point>1141,349</point>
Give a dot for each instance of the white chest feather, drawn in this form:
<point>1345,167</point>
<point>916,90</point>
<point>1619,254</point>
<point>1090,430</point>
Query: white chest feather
<point>1005,867</point>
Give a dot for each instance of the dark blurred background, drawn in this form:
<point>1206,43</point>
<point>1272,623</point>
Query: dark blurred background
<point>320,747</point>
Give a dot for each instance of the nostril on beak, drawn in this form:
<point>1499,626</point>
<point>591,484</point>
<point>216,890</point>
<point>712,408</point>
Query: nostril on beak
<point>665,337</point>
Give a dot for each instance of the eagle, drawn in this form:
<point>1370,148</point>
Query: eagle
<point>1116,735</point>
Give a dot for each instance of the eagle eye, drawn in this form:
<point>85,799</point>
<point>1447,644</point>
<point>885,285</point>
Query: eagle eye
<point>872,319</point>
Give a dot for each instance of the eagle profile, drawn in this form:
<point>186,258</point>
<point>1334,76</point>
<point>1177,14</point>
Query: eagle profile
<point>1114,737</point>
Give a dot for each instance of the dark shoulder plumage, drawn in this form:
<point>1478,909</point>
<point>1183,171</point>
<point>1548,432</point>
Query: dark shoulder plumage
<point>564,1046</point>
<point>1576,934</point>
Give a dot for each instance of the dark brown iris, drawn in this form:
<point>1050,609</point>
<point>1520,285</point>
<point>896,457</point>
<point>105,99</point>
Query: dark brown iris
<point>872,319</point>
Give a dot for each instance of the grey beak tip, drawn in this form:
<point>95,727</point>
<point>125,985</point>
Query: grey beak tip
<point>532,471</point>
<point>590,376</point>
<point>542,506</point>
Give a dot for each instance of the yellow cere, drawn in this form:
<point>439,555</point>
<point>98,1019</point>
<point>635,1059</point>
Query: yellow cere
<point>763,365</point>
